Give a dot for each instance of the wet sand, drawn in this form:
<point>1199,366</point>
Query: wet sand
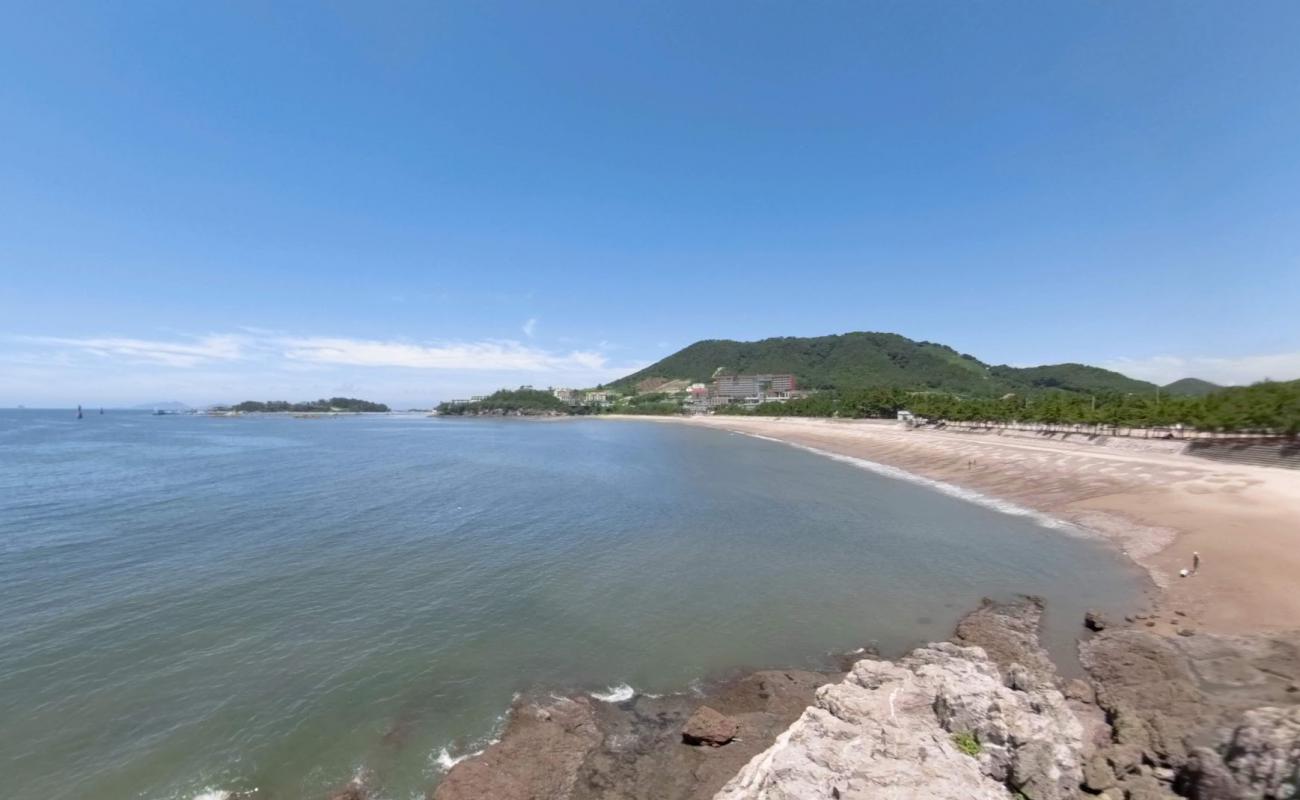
<point>1156,505</point>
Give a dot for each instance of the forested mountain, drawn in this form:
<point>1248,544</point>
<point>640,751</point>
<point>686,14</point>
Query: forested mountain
<point>878,360</point>
<point>1071,378</point>
<point>1191,387</point>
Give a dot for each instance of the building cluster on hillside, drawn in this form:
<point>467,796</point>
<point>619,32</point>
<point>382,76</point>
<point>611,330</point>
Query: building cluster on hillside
<point>598,398</point>
<point>725,390</point>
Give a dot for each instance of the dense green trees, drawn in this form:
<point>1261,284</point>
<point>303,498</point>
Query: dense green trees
<point>510,401</point>
<point>853,361</point>
<point>1264,407</point>
<point>332,404</point>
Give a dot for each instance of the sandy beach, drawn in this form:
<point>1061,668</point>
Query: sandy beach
<point>1156,505</point>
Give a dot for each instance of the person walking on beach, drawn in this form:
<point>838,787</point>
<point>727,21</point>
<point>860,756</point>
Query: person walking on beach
<point>1196,561</point>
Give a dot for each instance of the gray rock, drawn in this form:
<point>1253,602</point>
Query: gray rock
<point>1094,621</point>
<point>1080,690</point>
<point>1263,753</point>
<point>1206,778</point>
<point>888,730</point>
<point>1098,775</point>
<point>1145,787</point>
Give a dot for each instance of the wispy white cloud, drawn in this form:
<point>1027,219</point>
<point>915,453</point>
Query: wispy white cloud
<point>228,367</point>
<point>502,355</point>
<point>530,327</point>
<point>189,353</point>
<point>1227,371</point>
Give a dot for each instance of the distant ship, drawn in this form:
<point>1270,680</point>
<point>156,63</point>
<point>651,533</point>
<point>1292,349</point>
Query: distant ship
<point>101,412</point>
<point>78,412</point>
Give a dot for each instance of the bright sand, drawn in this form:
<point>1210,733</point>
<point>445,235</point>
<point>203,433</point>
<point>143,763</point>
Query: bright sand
<point>1157,506</point>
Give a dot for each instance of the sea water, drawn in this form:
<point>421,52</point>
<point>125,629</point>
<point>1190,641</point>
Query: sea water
<point>191,605</point>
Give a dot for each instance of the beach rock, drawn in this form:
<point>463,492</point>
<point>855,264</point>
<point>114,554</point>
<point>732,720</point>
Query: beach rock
<point>539,755</point>
<point>1008,635</point>
<point>892,729</point>
<point>1146,686</point>
<point>1263,753</point>
<point>1165,696</point>
<point>708,727</point>
<point>643,758</point>
<point>1094,621</point>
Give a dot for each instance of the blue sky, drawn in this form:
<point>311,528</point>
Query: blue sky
<point>409,202</point>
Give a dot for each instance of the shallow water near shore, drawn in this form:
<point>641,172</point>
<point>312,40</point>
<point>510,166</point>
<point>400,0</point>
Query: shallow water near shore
<point>195,604</point>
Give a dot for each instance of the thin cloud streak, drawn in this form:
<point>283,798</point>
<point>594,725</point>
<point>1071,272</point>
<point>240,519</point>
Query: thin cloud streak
<point>1227,371</point>
<point>489,356</point>
<point>202,350</point>
<point>223,368</point>
<point>503,355</point>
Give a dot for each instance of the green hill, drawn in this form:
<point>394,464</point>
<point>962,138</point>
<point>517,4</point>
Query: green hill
<point>877,360</point>
<point>1072,378</point>
<point>1191,387</point>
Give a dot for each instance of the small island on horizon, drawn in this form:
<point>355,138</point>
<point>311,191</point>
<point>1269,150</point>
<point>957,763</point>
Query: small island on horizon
<point>332,405</point>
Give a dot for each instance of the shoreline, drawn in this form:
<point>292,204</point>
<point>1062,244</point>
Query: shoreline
<point>1155,506</point>
<point>984,714</point>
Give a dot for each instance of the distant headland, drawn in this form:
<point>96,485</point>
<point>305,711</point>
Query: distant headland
<point>865,375</point>
<point>332,405</point>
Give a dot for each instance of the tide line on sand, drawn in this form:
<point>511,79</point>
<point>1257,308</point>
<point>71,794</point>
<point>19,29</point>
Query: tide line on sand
<point>950,489</point>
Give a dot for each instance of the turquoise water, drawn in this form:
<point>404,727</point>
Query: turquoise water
<point>196,604</point>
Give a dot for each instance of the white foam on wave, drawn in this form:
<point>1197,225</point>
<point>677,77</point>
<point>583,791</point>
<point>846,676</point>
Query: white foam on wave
<point>950,489</point>
<point>445,760</point>
<point>212,794</point>
<point>615,694</point>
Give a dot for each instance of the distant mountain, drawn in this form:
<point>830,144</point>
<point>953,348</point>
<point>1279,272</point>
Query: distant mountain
<point>166,405</point>
<point>1191,387</point>
<point>870,360</point>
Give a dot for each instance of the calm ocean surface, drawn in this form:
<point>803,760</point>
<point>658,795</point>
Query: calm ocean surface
<point>193,604</point>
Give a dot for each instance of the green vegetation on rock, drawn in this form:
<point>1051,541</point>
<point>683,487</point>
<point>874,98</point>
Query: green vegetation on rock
<point>967,743</point>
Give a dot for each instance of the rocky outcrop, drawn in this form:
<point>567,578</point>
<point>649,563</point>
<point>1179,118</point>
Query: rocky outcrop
<point>579,749</point>
<point>538,756</point>
<point>708,727</point>
<point>1210,717</point>
<point>1008,635</point>
<point>941,723</point>
<point>1262,753</point>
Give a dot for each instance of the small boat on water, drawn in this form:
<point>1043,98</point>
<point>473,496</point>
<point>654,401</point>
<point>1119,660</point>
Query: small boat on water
<point>78,412</point>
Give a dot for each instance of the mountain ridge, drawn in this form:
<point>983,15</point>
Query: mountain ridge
<point>868,359</point>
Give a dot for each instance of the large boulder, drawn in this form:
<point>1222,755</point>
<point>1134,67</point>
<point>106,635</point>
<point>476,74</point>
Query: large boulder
<point>940,724</point>
<point>709,727</point>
